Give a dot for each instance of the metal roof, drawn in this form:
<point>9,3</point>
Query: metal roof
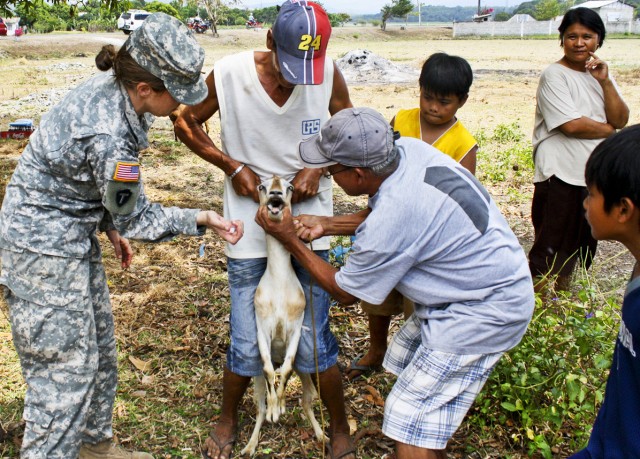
<point>594,4</point>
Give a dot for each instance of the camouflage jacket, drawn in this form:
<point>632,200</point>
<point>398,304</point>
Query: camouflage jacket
<point>80,172</point>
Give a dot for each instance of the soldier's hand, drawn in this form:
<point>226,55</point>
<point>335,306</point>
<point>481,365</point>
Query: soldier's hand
<point>122,247</point>
<point>230,231</point>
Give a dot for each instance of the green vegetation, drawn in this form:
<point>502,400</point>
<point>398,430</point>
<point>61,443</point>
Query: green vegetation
<point>504,156</point>
<point>44,17</point>
<point>548,9</point>
<point>397,9</point>
<point>546,392</point>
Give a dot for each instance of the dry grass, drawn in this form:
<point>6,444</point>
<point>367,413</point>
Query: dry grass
<point>172,306</point>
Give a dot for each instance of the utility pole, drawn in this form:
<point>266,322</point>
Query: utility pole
<point>419,14</point>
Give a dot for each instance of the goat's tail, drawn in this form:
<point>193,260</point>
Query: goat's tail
<point>278,344</point>
<point>278,351</point>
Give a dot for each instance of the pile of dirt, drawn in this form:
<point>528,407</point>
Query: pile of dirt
<point>364,66</point>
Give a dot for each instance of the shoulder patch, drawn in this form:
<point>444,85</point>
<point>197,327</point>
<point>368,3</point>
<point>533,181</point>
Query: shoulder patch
<point>127,172</point>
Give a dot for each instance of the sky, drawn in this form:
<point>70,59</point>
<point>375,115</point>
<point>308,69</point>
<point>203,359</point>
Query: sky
<point>374,6</point>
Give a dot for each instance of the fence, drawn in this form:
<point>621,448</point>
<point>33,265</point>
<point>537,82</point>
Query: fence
<point>527,28</point>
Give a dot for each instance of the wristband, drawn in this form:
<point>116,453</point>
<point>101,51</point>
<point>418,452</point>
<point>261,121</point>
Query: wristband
<point>237,171</point>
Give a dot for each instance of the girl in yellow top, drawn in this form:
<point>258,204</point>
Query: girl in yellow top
<point>444,88</point>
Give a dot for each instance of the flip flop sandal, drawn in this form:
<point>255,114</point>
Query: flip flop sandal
<point>350,450</point>
<point>221,446</point>
<point>365,370</point>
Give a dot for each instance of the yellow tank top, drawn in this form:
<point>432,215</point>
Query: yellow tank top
<point>455,142</point>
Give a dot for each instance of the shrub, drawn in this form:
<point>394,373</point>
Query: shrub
<point>547,390</point>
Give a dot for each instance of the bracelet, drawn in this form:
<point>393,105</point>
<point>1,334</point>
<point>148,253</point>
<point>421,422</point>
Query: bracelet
<point>237,171</point>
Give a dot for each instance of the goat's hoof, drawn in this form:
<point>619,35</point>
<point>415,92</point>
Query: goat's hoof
<point>248,450</point>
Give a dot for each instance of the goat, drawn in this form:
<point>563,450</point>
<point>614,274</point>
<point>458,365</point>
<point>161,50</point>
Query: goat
<point>279,305</point>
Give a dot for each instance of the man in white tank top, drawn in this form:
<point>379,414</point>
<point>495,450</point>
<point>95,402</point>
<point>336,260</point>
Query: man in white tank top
<point>268,102</point>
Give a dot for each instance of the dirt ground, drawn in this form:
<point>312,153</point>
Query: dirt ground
<point>171,307</point>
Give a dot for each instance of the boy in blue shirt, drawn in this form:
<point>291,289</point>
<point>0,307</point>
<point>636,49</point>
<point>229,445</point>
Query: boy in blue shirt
<point>613,211</point>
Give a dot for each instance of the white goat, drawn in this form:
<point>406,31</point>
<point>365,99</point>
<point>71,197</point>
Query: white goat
<point>279,304</point>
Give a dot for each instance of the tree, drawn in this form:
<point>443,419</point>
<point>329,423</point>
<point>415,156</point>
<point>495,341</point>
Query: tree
<point>547,9</point>
<point>502,16</point>
<point>526,8</point>
<point>10,7</point>
<point>338,19</point>
<point>265,15</point>
<point>159,7</point>
<point>398,8</point>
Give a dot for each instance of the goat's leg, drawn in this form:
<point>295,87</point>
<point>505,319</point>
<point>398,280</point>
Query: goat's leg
<point>287,366</point>
<point>264,345</point>
<point>259,393</point>
<point>308,394</point>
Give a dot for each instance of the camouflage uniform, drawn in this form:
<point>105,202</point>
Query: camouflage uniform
<point>79,174</point>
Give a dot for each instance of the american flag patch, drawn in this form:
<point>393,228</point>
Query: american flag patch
<point>127,172</point>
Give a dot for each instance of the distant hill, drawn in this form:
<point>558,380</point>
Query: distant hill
<point>460,13</point>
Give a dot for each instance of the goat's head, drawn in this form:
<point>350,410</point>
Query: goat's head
<point>275,193</point>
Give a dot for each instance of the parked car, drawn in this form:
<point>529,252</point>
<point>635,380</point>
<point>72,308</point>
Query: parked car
<point>19,129</point>
<point>3,28</point>
<point>131,20</point>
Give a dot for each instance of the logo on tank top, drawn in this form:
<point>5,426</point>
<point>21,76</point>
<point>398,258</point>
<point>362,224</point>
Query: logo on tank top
<point>310,127</point>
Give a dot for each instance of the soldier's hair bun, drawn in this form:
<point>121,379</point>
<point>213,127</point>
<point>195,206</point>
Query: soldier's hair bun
<point>105,58</point>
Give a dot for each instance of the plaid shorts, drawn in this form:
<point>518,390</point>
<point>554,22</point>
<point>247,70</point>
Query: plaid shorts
<point>434,389</point>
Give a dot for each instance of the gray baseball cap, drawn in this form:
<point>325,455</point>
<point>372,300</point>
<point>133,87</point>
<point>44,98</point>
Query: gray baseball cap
<point>165,47</point>
<point>356,137</point>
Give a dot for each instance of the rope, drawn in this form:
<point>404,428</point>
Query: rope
<point>315,355</point>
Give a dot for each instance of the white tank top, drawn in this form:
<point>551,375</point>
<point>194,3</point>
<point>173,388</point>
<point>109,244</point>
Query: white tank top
<point>265,137</point>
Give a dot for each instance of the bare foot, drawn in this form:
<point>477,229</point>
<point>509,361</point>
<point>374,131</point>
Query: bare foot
<point>219,444</point>
<point>342,446</point>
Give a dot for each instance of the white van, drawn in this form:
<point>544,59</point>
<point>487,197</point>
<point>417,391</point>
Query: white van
<point>131,20</point>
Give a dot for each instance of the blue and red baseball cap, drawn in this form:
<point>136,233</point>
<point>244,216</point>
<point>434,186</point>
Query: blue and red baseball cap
<point>301,33</point>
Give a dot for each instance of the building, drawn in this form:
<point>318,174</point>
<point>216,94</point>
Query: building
<point>521,18</point>
<point>616,15</point>
<point>609,10</point>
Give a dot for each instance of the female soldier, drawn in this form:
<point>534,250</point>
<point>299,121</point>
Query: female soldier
<point>578,106</point>
<point>80,173</point>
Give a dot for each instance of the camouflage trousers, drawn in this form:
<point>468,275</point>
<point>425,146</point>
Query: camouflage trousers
<point>62,328</point>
